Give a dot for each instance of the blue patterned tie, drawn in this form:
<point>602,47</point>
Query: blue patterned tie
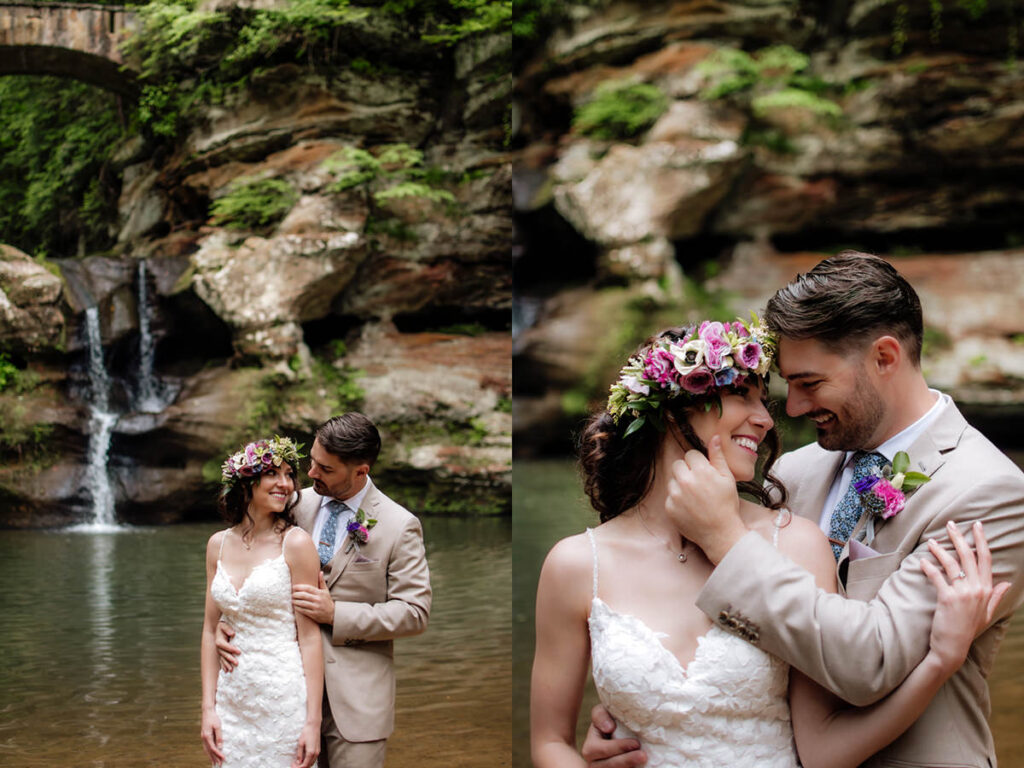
<point>849,509</point>
<point>330,531</point>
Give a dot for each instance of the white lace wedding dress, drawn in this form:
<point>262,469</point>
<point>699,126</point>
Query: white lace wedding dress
<point>727,707</point>
<point>262,702</point>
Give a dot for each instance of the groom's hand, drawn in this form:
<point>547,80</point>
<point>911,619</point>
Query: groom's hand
<point>227,653</point>
<point>314,602</point>
<point>600,750</point>
<point>702,501</point>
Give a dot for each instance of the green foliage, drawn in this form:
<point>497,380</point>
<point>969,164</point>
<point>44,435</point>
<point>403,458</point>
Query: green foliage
<point>620,110</point>
<point>795,97</point>
<point>770,138</point>
<point>19,433</point>
<point>8,372</point>
<point>933,341</point>
<point>770,78</point>
<point>254,203</point>
<point>190,58</point>
<point>974,9</point>
<point>395,172</point>
<point>58,192</point>
<point>478,17</point>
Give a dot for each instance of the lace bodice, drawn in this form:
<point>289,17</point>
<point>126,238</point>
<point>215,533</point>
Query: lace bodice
<point>727,707</point>
<point>262,703</point>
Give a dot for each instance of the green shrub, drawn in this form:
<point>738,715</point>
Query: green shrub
<point>254,203</point>
<point>770,78</point>
<point>620,110</point>
<point>395,171</point>
<point>794,97</point>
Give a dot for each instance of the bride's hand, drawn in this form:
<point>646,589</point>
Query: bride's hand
<point>966,602</point>
<point>213,737</point>
<point>309,746</point>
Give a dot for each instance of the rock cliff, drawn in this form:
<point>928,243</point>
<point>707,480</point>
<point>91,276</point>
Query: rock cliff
<point>683,159</point>
<point>324,240</point>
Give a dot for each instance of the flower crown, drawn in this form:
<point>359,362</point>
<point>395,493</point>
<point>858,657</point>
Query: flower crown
<point>704,359</point>
<point>256,457</point>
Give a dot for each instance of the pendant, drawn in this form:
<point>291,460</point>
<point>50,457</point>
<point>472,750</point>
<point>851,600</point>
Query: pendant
<point>681,557</point>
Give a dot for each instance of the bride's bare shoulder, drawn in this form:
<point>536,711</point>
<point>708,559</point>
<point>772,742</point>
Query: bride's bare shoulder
<point>570,556</point>
<point>803,542</point>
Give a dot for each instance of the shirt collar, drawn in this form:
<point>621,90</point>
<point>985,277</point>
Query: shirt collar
<point>352,502</point>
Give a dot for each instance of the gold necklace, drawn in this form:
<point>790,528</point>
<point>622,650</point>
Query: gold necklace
<point>680,556</point>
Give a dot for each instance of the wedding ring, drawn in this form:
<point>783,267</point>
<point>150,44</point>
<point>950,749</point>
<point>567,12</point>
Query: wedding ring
<point>961,575</point>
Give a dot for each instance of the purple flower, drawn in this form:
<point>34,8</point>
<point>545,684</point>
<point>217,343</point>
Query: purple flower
<point>358,531</point>
<point>725,377</point>
<point>865,484</point>
<point>698,382</point>
<point>750,355</point>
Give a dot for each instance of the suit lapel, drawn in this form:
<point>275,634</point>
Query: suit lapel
<point>927,454</point>
<point>341,559</point>
<point>809,498</point>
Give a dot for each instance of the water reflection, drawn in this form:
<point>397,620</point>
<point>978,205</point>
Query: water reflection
<point>548,505</point>
<point>99,649</point>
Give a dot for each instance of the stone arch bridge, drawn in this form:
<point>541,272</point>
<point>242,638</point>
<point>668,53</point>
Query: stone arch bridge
<point>77,40</point>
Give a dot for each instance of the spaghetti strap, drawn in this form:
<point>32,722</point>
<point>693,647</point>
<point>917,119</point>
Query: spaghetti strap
<point>593,548</point>
<point>778,526</point>
<point>284,539</point>
<point>220,555</point>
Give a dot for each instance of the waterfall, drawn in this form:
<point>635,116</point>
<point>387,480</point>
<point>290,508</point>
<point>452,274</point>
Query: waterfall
<point>101,425</point>
<point>148,397</point>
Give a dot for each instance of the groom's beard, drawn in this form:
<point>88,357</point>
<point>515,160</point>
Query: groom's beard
<point>856,422</point>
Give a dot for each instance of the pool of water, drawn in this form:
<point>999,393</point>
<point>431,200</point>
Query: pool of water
<point>99,649</point>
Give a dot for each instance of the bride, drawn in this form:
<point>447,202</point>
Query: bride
<point>265,713</point>
<point>692,693</point>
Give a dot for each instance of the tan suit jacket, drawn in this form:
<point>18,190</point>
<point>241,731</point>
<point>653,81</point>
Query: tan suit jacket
<point>381,591</point>
<point>862,648</point>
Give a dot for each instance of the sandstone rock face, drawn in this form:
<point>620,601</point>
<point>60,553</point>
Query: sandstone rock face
<point>264,288</point>
<point>725,197</point>
<point>30,318</point>
<point>399,307</point>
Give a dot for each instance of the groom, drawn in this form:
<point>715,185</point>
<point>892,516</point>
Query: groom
<point>850,334</point>
<point>374,587</point>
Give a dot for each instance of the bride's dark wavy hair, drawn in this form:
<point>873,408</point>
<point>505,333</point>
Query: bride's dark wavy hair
<point>233,503</point>
<point>618,471</point>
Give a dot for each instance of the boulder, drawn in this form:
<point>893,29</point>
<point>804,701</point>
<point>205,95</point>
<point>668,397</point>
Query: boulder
<point>654,190</point>
<point>265,287</point>
<point>30,316</point>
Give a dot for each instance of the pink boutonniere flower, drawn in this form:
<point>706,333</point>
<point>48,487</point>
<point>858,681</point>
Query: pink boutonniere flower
<point>884,495</point>
<point>359,529</point>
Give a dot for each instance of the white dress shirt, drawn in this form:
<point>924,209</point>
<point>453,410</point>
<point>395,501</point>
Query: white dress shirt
<point>352,502</point>
<point>898,442</point>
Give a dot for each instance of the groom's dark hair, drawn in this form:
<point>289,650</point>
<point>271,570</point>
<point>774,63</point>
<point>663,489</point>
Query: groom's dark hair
<point>847,300</point>
<point>351,437</point>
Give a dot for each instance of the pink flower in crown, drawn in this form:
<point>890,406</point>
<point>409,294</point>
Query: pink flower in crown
<point>659,365</point>
<point>892,498</point>
<point>750,355</point>
<point>699,381</point>
<point>740,330</point>
<point>716,345</point>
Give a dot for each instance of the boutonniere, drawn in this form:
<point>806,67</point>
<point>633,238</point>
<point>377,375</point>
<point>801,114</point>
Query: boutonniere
<point>359,529</point>
<point>883,494</point>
